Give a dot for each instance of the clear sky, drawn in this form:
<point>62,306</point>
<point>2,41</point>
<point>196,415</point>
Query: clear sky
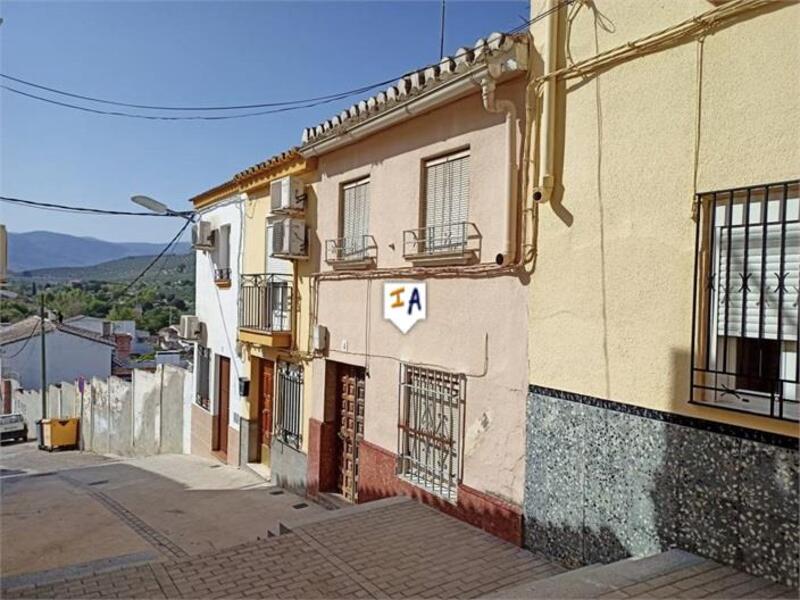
<point>191,53</point>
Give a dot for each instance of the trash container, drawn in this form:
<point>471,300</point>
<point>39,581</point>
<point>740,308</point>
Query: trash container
<point>59,434</point>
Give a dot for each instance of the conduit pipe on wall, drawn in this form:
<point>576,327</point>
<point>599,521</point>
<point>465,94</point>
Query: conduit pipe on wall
<point>544,190</point>
<point>492,105</point>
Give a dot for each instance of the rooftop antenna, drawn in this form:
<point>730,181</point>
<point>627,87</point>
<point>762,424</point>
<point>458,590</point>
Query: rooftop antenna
<point>441,35</point>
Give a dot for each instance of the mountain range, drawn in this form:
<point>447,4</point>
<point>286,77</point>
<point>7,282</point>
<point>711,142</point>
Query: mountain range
<point>47,249</point>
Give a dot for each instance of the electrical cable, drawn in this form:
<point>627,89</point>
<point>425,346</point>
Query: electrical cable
<point>156,259</point>
<point>285,106</point>
<point>28,339</point>
<point>79,209</point>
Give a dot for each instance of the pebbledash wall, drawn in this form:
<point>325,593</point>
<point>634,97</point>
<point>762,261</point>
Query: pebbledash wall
<point>475,325</point>
<point>217,308</point>
<point>618,463</point>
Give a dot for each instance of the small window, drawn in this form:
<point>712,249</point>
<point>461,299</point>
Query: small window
<point>203,369</point>
<point>289,406</point>
<point>446,209</point>
<point>430,440</point>
<point>747,283</point>
<point>354,226</point>
<point>222,255</point>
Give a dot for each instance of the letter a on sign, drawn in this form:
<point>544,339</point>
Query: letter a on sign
<point>404,303</point>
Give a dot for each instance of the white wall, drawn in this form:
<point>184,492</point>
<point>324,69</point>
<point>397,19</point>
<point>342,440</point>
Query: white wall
<point>68,358</point>
<point>217,307</point>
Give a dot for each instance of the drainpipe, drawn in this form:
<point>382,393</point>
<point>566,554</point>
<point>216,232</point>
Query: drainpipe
<point>493,105</point>
<point>544,190</point>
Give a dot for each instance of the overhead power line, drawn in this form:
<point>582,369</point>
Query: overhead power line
<point>85,210</point>
<point>273,107</point>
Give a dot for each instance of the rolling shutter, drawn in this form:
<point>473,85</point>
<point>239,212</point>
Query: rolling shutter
<point>741,310</point>
<point>355,217</point>
<point>446,200</point>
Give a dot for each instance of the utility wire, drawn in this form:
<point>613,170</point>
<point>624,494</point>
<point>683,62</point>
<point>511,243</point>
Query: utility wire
<point>286,106</point>
<point>337,96</point>
<point>79,209</point>
<point>156,259</point>
<point>28,339</point>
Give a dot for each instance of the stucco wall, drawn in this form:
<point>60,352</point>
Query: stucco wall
<point>68,357</point>
<point>217,307</point>
<point>461,312</point>
<point>611,295</point>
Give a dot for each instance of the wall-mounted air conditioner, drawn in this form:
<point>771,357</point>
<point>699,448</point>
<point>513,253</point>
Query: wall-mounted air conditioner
<point>289,238</point>
<point>190,328</point>
<point>287,194</point>
<point>202,236</point>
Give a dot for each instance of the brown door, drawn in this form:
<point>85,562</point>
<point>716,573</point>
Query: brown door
<point>265,409</point>
<point>223,394</point>
<point>351,428</point>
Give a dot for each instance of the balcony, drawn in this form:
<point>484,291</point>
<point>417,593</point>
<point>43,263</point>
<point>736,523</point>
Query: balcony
<point>265,309</point>
<point>222,277</point>
<point>452,243</point>
<point>351,253</point>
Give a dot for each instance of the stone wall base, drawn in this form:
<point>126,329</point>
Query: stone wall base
<point>604,481</point>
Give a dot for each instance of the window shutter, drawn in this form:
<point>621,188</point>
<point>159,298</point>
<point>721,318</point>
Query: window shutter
<point>224,247</point>
<point>744,283</point>
<point>355,217</point>
<point>446,200</point>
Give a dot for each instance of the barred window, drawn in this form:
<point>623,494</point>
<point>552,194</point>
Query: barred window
<point>289,404</point>
<point>202,370</point>
<point>222,254</point>
<point>747,282</point>
<point>430,430</point>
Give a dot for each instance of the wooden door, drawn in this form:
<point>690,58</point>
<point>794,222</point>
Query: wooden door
<point>223,395</point>
<point>265,406</point>
<point>351,428</point>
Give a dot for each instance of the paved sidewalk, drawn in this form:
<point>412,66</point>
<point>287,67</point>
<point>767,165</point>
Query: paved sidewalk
<point>397,548</point>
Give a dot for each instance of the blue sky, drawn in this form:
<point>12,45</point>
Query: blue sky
<point>191,53</point>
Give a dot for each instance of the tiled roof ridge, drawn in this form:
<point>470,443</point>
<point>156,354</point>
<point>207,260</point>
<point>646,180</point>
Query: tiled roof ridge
<point>415,82</point>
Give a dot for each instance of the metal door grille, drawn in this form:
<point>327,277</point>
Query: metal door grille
<point>430,429</point>
<point>289,406</point>
<point>746,288</point>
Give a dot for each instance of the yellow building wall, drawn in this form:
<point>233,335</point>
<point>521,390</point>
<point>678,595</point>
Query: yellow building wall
<point>611,295</point>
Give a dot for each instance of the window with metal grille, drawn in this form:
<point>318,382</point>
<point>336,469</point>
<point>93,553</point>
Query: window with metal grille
<point>446,202</point>
<point>289,404</point>
<point>430,429</point>
<point>355,219</point>
<point>745,314</point>
<point>202,369</point>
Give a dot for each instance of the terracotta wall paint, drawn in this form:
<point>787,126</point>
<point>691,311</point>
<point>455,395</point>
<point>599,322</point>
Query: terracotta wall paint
<point>378,479</point>
<point>233,447</point>
<point>462,312</point>
<point>202,432</point>
<point>611,296</point>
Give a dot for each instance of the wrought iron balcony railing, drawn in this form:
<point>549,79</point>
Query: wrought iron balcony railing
<point>452,241</point>
<point>345,251</point>
<point>265,302</point>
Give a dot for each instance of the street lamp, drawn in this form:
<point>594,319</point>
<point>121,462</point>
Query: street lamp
<point>157,207</point>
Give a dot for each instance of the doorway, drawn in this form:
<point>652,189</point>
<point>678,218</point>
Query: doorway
<point>266,381</point>
<point>349,427</point>
<point>223,403</point>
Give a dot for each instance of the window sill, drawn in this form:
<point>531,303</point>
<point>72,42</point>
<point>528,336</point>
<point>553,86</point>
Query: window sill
<point>360,264</point>
<point>443,258</point>
<point>222,283</point>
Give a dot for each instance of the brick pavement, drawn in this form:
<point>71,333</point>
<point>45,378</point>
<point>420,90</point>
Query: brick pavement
<point>400,550</point>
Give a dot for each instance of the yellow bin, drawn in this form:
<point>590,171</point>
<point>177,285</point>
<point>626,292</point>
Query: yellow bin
<point>60,433</point>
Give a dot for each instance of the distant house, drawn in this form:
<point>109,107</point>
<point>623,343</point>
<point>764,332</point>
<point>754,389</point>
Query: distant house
<point>72,352</point>
<point>140,343</point>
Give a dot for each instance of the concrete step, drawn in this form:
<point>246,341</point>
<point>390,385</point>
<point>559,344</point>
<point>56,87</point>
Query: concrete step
<point>598,579</point>
<point>289,525</point>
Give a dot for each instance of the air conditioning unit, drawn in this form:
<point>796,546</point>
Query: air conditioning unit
<point>289,238</point>
<point>190,327</point>
<point>287,194</point>
<point>202,236</point>
<point>320,339</point>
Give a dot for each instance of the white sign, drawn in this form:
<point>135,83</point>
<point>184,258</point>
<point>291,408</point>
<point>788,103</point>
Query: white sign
<point>404,303</point>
